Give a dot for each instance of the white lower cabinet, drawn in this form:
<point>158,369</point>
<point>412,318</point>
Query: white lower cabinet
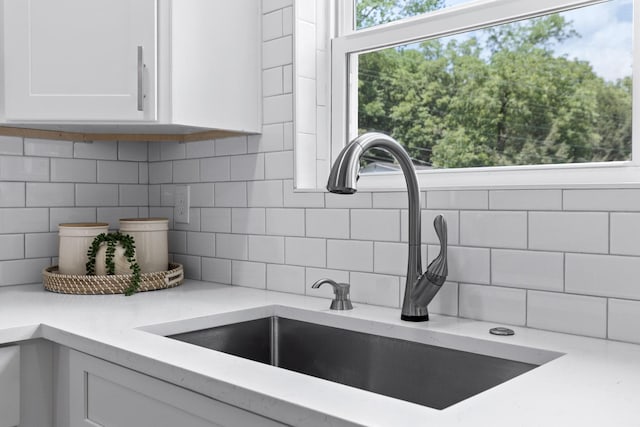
<point>104,394</point>
<point>9,386</point>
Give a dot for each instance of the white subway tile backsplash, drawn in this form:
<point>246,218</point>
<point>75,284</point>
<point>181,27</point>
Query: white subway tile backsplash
<point>194,221</point>
<point>285,222</point>
<point>460,199</point>
<point>160,173</point>
<point>96,195</point>
<point>231,146</point>
<point>287,78</point>
<point>624,318</point>
<point>24,220</point>
<point>216,270</point>
<point>288,135</point>
<point>266,249</point>
<point>117,172</point>
<point>215,169</point>
<point>66,215</point>
<point>155,195</point>
<point>573,314</point>
<point>112,215</point>
<point>41,245</point>
<point>445,301</point>
<point>611,199</point>
<point>192,266</point>
<point>332,223</point>
<point>22,271</point>
<point>375,289</point>
<point>14,168</point>
<point>604,275</point>
<point>390,258</point>
<point>172,150</point>
<point>200,149</point>
<point>47,148</point>
<point>250,274</point>
<point>305,251</point>
<point>271,5</point>
<point>394,200</point>
<point>73,170</point>
<point>493,304</point>
<point>272,81</point>
<point>202,244</point>
<point>177,241</point>
<point>300,199</point>
<point>167,195</point>
<point>528,269</point>
<point>625,233</point>
<point>133,195</point>
<point>471,265</point>
<point>277,52</point>
<point>361,199</point>
<point>277,109</point>
<point>143,173</point>
<point>272,139</point>
<point>350,255</point>
<point>493,229</point>
<point>232,246</point>
<point>272,25</point>
<point>45,194</point>
<point>11,145</point>
<point>306,102</point>
<point>248,220</point>
<point>186,171</point>
<point>133,151</point>
<point>202,195</point>
<point>247,167</point>
<point>278,165</point>
<point>287,21</point>
<point>230,194</point>
<point>285,278</point>
<point>11,247</point>
<point>375,224</point>
<point>12,194</point>
<point>103,150</point>
<point>215,219</point>
<point>532,200</point>
<point>265,193</point>
<point>569,231</point>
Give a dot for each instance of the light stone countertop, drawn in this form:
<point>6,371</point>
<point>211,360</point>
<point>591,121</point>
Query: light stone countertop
<point>592,383</point>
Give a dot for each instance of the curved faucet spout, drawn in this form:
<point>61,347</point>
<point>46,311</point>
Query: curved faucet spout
<point>343,180</point>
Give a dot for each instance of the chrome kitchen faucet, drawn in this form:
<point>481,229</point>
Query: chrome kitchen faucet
<point>421,287</point>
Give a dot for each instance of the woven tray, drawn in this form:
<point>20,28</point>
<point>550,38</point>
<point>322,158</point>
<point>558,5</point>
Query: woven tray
<point>109,284</point>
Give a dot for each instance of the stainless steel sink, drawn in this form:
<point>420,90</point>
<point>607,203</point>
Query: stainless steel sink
<point>428,375</point>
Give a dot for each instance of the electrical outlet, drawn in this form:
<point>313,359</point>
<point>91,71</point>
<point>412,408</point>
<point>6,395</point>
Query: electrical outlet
<point>182,204</point>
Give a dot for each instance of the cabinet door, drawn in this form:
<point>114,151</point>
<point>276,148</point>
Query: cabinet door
<point>9,386</point>
<point>108,395</point>
<point>80,60</point>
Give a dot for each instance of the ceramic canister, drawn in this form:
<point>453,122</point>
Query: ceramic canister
<point>75,240</point>
<point>152,247</point>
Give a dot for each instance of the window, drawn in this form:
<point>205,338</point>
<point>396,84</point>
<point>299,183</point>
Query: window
<point>495,92</point>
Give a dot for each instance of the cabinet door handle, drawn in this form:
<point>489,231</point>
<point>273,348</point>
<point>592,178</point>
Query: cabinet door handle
<point>140,80</point>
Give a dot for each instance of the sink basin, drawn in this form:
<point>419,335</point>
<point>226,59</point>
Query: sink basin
<point>425,374</point>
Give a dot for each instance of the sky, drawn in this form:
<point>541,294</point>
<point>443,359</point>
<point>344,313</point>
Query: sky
<point>606,37</point>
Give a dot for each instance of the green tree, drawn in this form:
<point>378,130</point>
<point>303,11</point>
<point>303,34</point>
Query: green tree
<point>499,97</point>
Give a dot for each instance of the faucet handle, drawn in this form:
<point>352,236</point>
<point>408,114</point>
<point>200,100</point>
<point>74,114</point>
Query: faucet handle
<point>341,292</point>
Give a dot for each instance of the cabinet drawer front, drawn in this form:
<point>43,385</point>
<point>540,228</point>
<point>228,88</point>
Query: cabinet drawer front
<point>10,386</point>
<point>104,394</point>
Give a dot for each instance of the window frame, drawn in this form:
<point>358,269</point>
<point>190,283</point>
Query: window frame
<point>467,17</point>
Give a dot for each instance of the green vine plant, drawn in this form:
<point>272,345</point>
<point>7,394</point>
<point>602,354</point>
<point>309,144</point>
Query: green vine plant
<point>111,240</point>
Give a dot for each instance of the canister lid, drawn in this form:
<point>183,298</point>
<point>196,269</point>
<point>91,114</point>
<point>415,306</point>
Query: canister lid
<point>144,224</point>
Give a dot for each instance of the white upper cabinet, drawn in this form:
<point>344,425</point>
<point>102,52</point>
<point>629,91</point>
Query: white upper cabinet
<point>154,66</point>
<point>79,59</point>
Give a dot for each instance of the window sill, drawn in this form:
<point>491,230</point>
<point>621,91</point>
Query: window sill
<point>593,175</point>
